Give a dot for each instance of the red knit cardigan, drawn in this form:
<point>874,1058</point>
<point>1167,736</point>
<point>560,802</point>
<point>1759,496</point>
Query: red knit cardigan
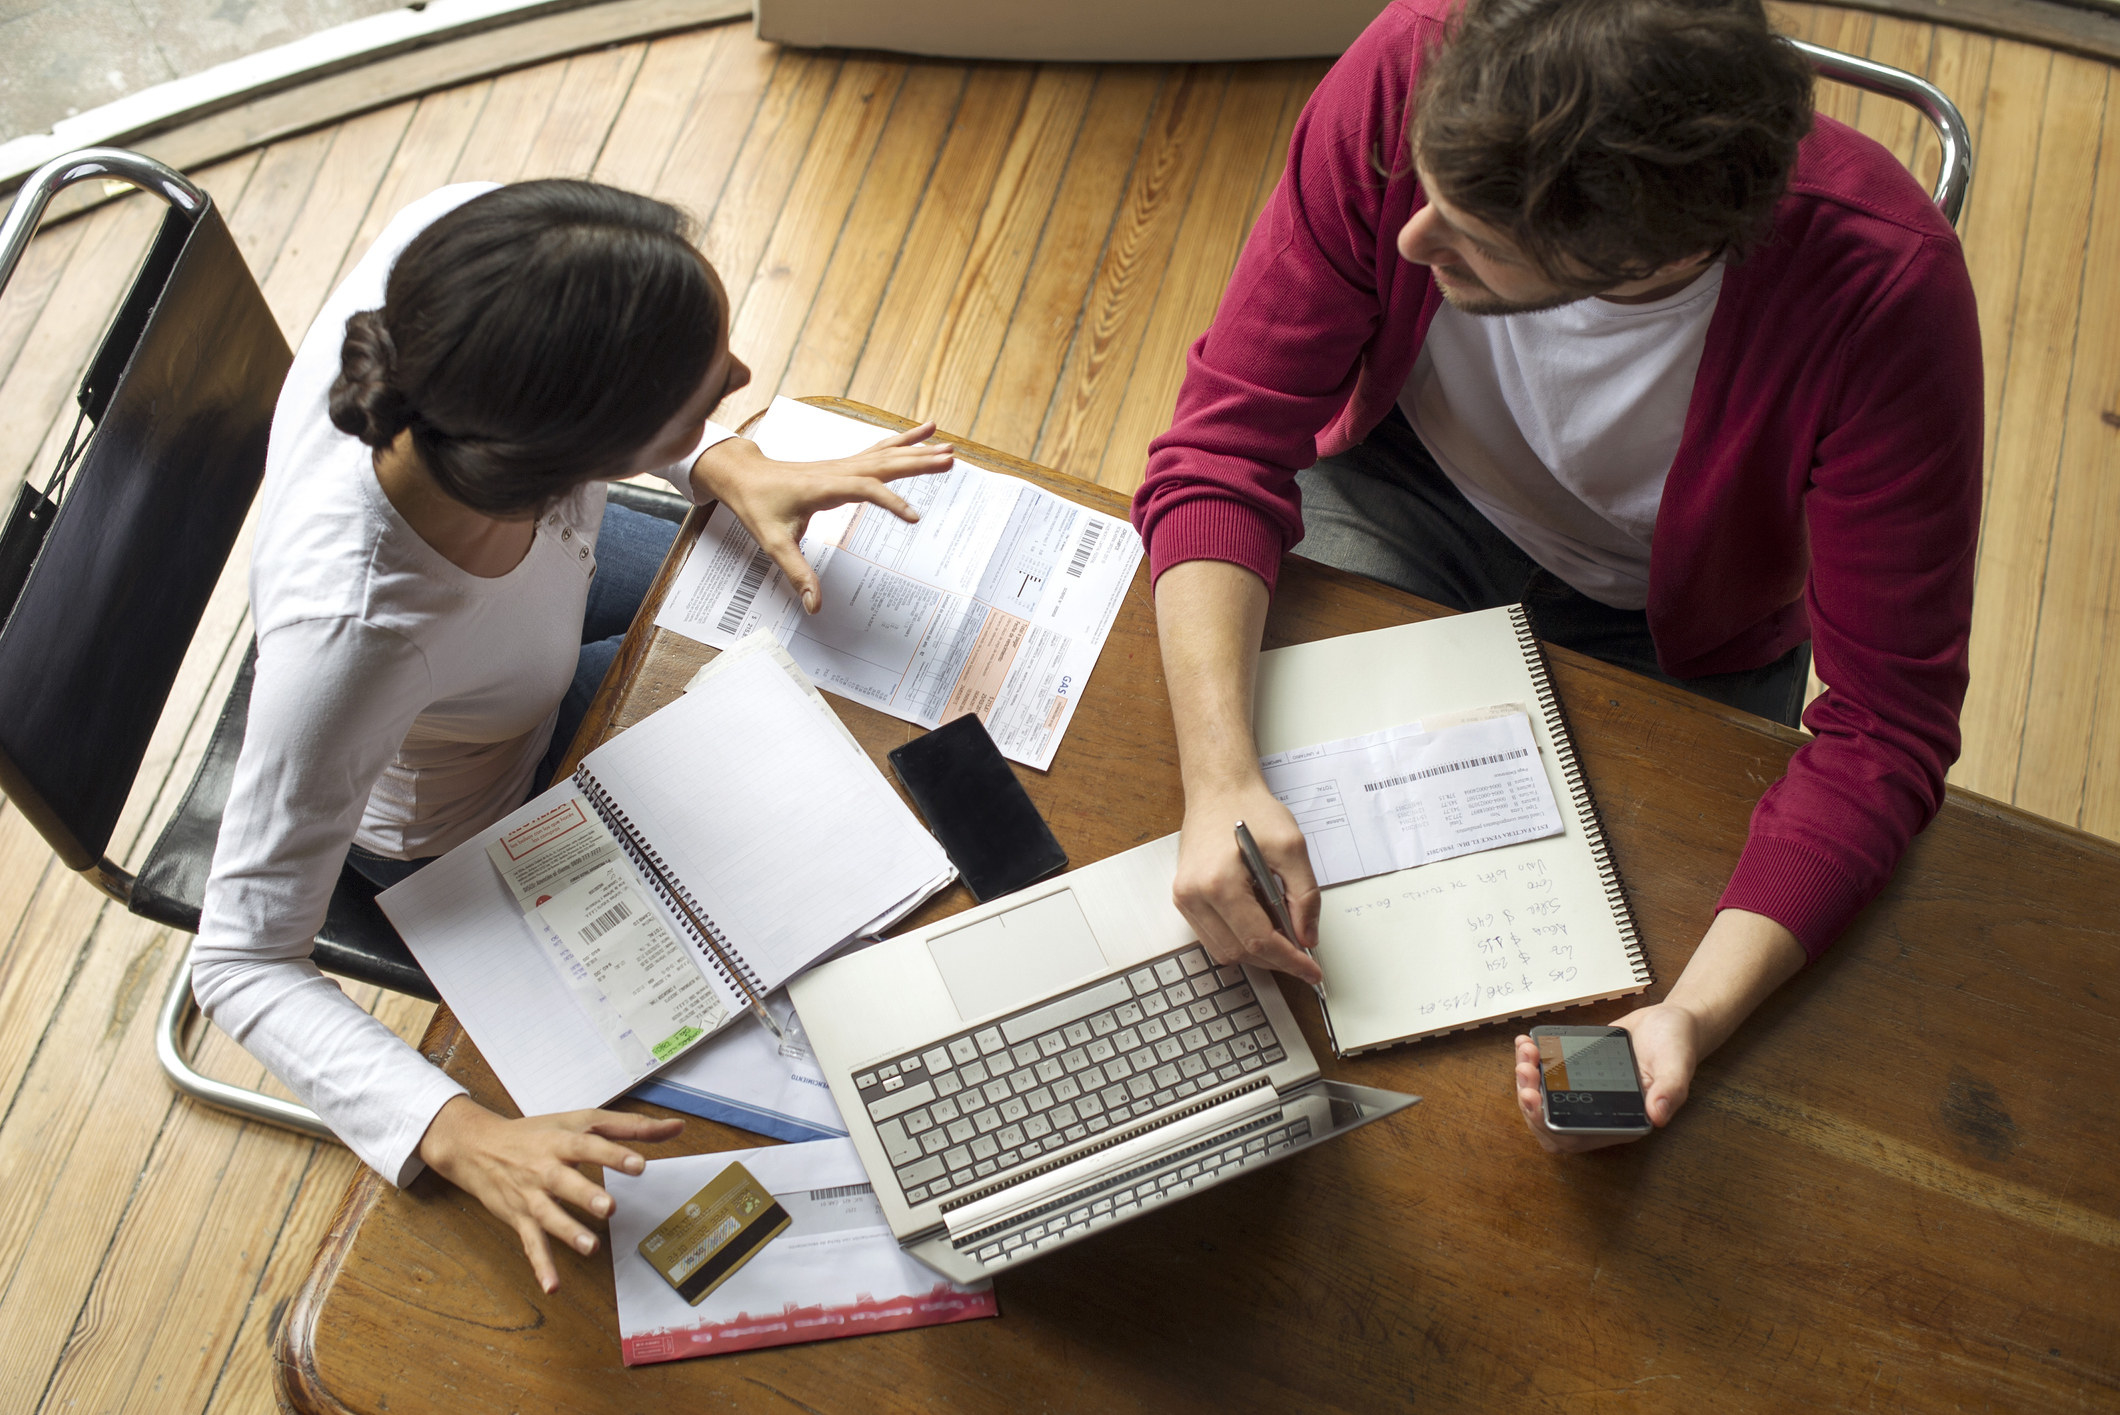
<point>1826,486</point>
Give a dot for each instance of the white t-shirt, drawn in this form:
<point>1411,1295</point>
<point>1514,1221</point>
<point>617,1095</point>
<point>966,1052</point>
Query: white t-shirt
<point>1561,426</point>
<point>399,701</point>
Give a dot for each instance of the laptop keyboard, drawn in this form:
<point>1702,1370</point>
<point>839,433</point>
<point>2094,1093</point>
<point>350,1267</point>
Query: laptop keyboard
<point>1134,1191</point>
<point>953,1114</point>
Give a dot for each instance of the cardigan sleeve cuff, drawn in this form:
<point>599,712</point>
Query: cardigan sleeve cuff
<point>1805,892</point>
<point>1213,528</point>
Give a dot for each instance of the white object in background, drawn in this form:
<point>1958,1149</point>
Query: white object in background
<point>1090,31</point>
<point>836,1271</point>
<point>997,602</point>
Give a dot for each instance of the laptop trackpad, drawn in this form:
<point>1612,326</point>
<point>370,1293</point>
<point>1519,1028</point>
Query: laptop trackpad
<point>1017,956</point>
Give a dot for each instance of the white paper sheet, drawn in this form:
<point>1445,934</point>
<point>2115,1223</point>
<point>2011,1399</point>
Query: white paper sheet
<point>644,971</point>
<point>996,602</point>
<point>1404,796</point>
<point>836,1271</point>
<point>791,841</point>
<point>742,1077</point>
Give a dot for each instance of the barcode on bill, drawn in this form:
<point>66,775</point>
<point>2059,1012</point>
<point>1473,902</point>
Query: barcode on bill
<point>1085,549</point>
<point>1447,768</point>
<point>754,575</point>
<point>844,1191</point>
<point>603,923</point>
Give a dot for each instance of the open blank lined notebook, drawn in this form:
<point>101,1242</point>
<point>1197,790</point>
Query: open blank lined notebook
<point>705,855</point>
<point>1526,927</point>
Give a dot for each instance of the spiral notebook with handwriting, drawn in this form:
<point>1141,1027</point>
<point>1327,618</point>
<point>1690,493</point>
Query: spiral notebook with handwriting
<point>1529,927</point>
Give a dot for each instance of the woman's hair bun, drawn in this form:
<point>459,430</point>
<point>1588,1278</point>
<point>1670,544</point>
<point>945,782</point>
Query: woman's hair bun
<point>531,339</point>
<point>365,399</point>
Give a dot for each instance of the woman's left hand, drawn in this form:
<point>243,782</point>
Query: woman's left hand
<point>1666,1050</point>
<point>775,500</point>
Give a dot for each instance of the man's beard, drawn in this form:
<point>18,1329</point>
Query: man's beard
<point>1481,301</point>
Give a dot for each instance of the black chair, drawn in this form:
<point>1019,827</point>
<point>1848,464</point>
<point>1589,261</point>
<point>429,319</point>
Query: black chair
<point>105,573</point>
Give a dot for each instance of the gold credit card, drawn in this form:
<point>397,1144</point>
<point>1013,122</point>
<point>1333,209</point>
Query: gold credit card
<point>717,1231</point>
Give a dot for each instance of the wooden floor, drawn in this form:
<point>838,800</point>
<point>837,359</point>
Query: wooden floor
<point>1021,253</point>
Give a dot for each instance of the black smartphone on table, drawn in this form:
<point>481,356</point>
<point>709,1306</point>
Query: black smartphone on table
<point>979,811</point>
<point>1588,1082</point>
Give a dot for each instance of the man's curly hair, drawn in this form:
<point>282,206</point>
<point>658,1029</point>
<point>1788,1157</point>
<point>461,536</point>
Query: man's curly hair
<point>1609,138</point>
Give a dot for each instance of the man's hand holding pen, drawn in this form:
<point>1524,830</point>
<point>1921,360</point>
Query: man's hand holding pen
<point>1220,898</point>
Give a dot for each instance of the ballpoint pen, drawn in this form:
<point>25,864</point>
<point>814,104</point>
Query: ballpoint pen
<point>1270,889</point>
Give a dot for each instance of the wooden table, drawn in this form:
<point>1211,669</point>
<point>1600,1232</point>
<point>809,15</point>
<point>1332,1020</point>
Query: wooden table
<point>1897,1188</point>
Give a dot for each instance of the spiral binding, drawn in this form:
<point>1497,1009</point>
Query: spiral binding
<point>1549,704</point>
<point>721,955</point>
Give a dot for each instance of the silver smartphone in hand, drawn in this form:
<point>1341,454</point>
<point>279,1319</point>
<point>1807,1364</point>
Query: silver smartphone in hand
<point>1588,1083</point>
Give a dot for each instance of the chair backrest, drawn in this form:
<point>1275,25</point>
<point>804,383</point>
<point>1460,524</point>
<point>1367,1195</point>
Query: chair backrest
<point>181,397</point>
<point>1956,172</point>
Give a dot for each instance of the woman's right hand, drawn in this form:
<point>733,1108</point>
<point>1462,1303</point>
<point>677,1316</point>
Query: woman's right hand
<point>775,500</point>
<point>523,1170</point>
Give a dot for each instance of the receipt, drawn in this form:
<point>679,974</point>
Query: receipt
<point>639,966</point>
<point>637,982</point>
<point>1406,796</point>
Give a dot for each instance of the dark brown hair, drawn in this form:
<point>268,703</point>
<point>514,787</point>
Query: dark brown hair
<point>1610,138</point>
<point>532,339</point>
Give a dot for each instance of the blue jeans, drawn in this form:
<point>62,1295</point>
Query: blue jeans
<point>1385,510</point>
<point>630,547</point>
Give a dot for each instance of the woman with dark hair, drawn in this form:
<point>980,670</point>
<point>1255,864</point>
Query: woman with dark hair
<point>437,588</point>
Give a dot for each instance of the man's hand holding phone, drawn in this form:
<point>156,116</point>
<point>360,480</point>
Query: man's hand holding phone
<point>1741,960</point>
<point>1665,1048</point>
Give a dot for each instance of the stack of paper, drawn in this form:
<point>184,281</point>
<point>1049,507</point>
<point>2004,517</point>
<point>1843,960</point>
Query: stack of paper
<point>996,602</point>
<point>836,1271</point>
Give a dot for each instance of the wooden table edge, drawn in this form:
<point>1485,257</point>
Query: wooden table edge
<point>297,1382</point>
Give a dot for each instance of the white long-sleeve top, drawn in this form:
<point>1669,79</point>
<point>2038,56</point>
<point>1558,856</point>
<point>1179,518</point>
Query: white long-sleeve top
<point>399,701</point>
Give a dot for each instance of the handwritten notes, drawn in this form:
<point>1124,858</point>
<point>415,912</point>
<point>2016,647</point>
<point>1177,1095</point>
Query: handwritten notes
<point>1464,941</point>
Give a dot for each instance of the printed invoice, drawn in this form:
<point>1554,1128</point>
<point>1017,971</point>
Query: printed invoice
<point>1407,796</point>
<point>997,601</point>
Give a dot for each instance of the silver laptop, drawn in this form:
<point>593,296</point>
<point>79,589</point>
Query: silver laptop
<point>1024,1074</point>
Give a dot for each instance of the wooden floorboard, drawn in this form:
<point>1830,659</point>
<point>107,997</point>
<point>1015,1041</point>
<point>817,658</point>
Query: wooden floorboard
<point>960,359</point>
<point>770,313</point>
<point>901,339</point>
<point>2063,722</point>
<point>867,244</point>
<point>1107,340</point>
<point>1016,405</point>
<point>2021,487</point>
<point>1022,251</point>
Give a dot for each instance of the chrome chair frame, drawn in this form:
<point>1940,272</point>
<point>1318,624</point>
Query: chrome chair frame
<point>1955,175</point>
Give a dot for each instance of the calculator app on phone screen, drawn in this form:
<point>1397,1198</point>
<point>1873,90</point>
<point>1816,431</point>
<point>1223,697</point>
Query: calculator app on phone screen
<point>1589,1079</point>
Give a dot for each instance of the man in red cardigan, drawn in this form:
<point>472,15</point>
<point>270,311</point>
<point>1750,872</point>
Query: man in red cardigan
<point>1575,304</point>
